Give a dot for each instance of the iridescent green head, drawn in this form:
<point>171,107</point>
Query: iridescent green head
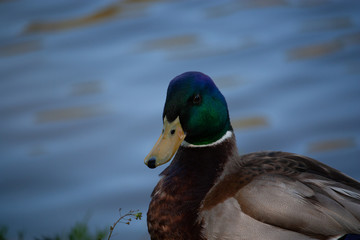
<point>200,106</point>
<point>195,111</point>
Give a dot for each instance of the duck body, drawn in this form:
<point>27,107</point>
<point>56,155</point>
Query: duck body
<point>210,192</point>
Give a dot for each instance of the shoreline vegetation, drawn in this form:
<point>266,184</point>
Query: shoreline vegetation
<point>81,231</point>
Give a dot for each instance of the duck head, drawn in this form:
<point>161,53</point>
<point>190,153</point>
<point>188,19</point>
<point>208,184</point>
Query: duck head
<point>195,112</point>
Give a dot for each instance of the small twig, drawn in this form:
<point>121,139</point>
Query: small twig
<point>131,214</point>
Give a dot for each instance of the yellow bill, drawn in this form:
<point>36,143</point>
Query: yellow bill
<point>166,146</point>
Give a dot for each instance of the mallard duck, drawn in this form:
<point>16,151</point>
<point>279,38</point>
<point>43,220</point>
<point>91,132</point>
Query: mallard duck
<point>210,192</point>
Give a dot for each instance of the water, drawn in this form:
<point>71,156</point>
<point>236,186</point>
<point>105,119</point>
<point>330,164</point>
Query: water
<point>83,86</point>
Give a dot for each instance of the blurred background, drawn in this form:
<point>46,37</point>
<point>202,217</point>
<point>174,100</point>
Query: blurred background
<point>83,83</point>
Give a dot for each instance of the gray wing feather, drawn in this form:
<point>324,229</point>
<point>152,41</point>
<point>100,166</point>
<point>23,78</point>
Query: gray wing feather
<point>313,206</point>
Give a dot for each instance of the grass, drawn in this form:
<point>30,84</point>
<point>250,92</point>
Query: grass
<point>81,231</point>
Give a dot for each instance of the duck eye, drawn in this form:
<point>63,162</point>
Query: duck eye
<point>172,132</point>
<point>197,99</point>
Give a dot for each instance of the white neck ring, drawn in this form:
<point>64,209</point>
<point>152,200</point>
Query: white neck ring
<point>227,135</point>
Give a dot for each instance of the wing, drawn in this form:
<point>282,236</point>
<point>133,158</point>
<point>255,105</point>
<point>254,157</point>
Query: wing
<point>291,192</point>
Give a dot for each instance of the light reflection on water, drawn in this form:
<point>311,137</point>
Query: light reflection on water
<point>83,86</point>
